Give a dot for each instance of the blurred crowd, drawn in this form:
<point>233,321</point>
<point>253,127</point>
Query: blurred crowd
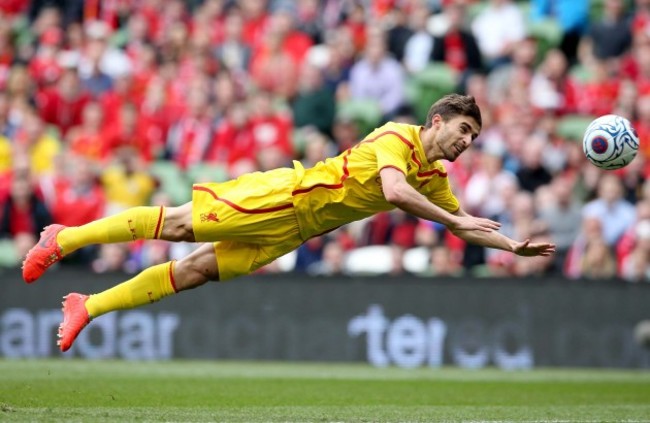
<point>110,104</point>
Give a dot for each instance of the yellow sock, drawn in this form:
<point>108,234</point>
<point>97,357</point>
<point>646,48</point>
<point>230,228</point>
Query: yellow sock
<point>149,286</point>
<point>129,225</point>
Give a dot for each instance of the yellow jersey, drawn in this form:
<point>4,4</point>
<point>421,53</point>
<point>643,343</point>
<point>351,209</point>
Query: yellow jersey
<point>348,187</point>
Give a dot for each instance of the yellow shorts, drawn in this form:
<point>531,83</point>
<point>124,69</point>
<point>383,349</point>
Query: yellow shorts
<point>251,220</point>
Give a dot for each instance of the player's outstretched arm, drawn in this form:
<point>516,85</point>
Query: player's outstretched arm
<point>399,193</point>
<point>497,240</point>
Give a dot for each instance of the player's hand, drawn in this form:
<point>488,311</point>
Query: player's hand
<point>526,249</point>
<point>472,223</point>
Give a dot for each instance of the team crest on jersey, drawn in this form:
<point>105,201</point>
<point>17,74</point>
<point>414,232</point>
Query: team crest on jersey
<point>209,217</point>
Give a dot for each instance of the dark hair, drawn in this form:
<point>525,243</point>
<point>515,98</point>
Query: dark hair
<point>453,105</point>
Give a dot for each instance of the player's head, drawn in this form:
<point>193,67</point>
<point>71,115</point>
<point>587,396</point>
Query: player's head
<point>452,105</point>
<point>452,124</point>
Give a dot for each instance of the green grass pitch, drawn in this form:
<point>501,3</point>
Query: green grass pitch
<point>118,391</point>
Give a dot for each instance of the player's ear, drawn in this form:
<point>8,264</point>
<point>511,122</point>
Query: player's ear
<point>436,121</point>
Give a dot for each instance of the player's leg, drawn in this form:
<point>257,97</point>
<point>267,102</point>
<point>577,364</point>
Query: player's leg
<point>149,286</point>
<point>168,223</point>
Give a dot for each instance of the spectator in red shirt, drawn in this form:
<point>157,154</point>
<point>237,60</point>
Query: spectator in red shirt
<point>63,105</point>
<point>7,53</point>
<point>641,18</point>
<point>154,118</point>
<point>642,125</point>
<point>12,8</point>
<point>151,10</point>
<point>355,22</point>
<point>112,100</point>
<point>23,211</point>
<point>124,133</point>
<point>43,16</point>
<point>44,67</point>
<point>233,143</point>
<point>268,60</point>
<point>190,136</point>
<point>90,140</point>
<point>144,70</point>
<point>457,47</point>
<point>271,131</point>
<point>637,64</point>
<point>598,95</point>
<point>255,21</point>
<point>210,17</point>
<point>294,42</point>
<point>79,198</point>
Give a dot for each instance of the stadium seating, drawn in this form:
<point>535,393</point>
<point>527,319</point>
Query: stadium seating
<point>172,181</point>
<point>371,260</point>
<point>548,34</point>
<point>572,127</point>
<point>207,172</point>
<point>416,260</point>
<point>287,262</point>
<point>8,255</point>
<point>430,84</point>
<point>581,73</point>
<point>366,113</point>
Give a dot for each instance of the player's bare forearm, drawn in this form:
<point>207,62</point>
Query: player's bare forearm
<point>492,239</point>
<point>497,240</point>
<point>399,193</point>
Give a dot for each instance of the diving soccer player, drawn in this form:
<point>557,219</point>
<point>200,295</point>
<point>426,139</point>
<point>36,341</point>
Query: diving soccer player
<point>250,221</point>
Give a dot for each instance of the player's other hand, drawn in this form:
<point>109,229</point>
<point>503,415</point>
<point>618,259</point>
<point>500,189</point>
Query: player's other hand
<point>526,249</point>
<point>472,223</point>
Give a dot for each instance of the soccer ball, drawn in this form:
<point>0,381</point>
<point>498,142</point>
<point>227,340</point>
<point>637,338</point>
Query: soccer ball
<point>610,142</point>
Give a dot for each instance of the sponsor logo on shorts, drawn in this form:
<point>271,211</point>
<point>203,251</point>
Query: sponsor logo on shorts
<point>132,230</point>
<point>209,217</point>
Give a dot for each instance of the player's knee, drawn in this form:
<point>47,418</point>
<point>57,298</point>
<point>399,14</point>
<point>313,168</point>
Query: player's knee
<point>194,272</point>
<point>178,224</point>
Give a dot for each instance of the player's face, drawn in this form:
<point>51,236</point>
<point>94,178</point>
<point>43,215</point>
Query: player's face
<point>456,135</point>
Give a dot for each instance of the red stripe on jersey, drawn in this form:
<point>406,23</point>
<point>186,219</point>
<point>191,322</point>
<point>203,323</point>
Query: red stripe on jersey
<point>240,208</point>
<point>156,234</point>
<point>346,172</point>
<point>326,186</point>
<point>171,275</point>
<point>414,157</point>
<point>433,172</point>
